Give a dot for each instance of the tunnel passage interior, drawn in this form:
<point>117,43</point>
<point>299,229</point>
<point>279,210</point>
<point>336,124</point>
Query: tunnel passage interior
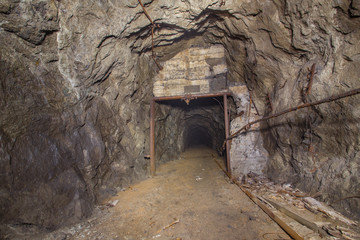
<point>77,78</point>
<point>197,136</point>
<point>180,126</point>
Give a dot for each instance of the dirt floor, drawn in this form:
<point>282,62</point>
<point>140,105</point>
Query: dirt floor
<point>190,198</point>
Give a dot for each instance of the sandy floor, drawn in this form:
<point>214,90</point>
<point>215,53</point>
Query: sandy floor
<point>190,198</point>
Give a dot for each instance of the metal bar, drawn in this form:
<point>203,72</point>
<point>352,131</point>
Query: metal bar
<point>310,104</point>
<point>227,133</point>
<point>152,35</point>
<point>308,90</point>
<point>191,96</point>
<point>152,137</point>
<point>146,13</point>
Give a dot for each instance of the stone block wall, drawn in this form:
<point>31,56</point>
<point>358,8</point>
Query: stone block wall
<point>196,70</point>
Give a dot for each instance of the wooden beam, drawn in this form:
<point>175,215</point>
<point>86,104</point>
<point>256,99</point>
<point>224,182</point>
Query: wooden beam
<point>276,219</point>
<point>299,219</point>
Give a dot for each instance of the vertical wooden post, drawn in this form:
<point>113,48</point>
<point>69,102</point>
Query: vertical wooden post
<point>152,137</point>
<point>227,133</point>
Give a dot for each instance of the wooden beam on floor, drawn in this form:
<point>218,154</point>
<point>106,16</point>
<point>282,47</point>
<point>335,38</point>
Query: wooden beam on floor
<point>276,219</point>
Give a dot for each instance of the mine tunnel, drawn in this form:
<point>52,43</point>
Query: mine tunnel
<point>200,123</point>
<point>191,92</point>
<point>204,124</point>
<point>197,135</point>
<point>98,96</point>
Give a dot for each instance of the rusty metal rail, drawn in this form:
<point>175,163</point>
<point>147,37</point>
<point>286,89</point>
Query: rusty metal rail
<point>153,26</point>
<point>191,96</point>
<point>311,79</point>
<point>227,133</point>
<point>152,138</point>
<point>310,104</point>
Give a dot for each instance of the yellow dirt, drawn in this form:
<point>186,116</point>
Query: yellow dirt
<point>190,198</point>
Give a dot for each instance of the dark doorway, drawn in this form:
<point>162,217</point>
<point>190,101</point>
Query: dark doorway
<point>202,121</point>
<point>197,136</point>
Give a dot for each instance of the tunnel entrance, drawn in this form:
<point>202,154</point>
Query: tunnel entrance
<point>204,119</point>
<point>197,136</point>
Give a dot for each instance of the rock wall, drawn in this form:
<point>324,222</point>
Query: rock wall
<point>247,152</point>
<point>76,79</point>
<point>74,112</point>
<point>169,136</point>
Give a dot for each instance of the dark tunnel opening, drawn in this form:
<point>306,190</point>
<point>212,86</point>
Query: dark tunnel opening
<point>198,123</point>
<point>204,123</point>
<point>197,136</point>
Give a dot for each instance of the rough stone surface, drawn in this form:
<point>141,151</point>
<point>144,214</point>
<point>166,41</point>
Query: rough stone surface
<point>68,137</point>
<point>76,79</point>
<point>247,152</point>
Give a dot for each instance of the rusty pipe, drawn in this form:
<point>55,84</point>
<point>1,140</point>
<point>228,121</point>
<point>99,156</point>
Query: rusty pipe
<point>227,133</point>
<point>152,137</point>
<point>191,96</point>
